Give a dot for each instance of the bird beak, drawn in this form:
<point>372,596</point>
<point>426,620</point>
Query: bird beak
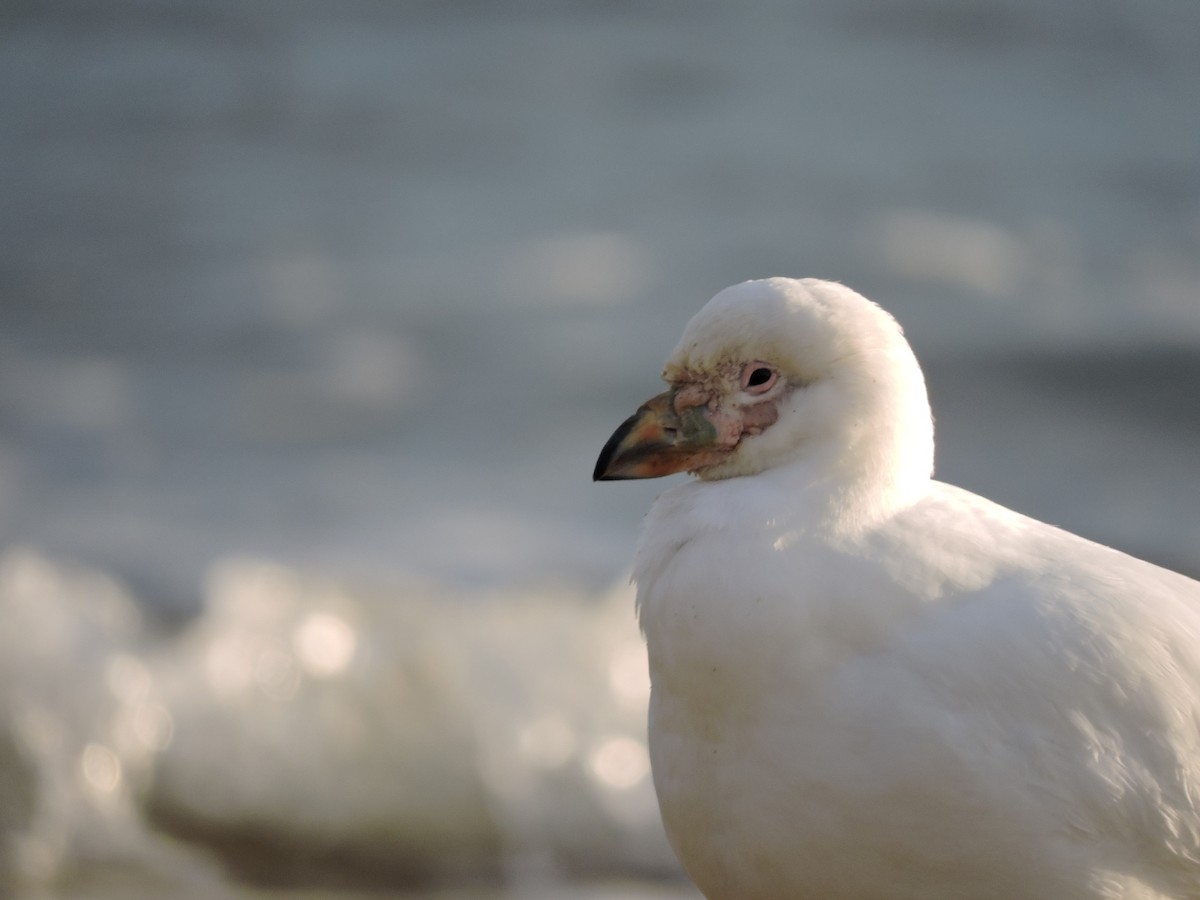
<point>658,440</point>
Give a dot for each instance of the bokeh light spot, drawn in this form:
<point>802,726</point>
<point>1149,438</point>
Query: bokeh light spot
<point>619,763</point>
<point>324,644</point>
<point>101,768</point>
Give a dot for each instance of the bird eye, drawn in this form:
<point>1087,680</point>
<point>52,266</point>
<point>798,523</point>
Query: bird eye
<point>757,378</point>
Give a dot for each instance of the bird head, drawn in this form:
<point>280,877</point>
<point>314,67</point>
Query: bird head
<point>775,372</point>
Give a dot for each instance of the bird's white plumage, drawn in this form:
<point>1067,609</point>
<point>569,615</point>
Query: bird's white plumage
<point>870,684</point>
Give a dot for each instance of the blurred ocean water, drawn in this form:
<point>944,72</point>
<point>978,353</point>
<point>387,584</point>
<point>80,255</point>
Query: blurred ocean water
<point>314,317</point>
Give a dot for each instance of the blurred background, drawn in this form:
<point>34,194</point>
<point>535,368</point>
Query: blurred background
<point>314,317</point>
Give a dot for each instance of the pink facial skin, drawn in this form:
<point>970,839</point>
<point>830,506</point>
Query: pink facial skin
<point>737,420</point>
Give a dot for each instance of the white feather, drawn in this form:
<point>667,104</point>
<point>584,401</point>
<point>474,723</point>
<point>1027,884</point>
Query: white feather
<point>870,684</point>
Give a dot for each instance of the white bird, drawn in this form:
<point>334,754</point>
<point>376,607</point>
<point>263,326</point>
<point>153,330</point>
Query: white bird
<point>870,684</point>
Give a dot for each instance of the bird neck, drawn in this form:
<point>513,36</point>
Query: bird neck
<point>853,481</point>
